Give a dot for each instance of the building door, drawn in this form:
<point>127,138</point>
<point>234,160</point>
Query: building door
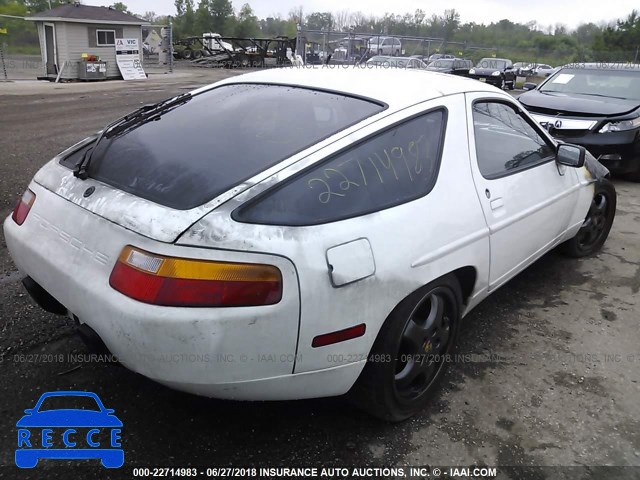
<point>50,49</point>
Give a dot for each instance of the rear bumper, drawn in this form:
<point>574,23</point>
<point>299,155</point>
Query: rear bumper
<point>238,353</point>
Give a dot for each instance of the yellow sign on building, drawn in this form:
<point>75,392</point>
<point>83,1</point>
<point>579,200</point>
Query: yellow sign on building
<point>3,31</point>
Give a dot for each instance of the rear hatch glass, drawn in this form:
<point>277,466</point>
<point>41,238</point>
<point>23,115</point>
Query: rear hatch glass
<point>217,139</point>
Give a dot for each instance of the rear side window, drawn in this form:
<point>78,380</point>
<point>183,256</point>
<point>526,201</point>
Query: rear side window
<point>220,138</point>
<point>396,166</point>
<point>505,142</point>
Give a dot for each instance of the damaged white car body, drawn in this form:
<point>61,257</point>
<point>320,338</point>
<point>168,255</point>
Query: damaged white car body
<point>385,215</point>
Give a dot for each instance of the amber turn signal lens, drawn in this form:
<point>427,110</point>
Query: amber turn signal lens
<point>185,282</point>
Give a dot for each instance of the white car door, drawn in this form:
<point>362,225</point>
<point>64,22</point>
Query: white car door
<point>527,198</point>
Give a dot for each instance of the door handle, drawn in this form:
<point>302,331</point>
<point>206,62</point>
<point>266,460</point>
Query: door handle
<point>496,203</point>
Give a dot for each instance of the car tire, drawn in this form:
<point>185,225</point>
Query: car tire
<point>411,352</point>
<point>197,54</point>
<point>397,53</point>
<point>187,54</point>
<point>597,224</point>
<point>502,83</point>
<point>512,84</point>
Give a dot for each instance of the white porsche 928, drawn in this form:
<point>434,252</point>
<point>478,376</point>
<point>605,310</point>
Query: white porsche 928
<point>298,233</point>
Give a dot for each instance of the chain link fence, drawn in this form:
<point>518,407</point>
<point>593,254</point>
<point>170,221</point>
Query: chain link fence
<point>157,48</point>
<point>20,55</point>
<point>19,49</point>
<point>349,47</point>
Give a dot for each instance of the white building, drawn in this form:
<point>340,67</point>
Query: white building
<point>68,31</point>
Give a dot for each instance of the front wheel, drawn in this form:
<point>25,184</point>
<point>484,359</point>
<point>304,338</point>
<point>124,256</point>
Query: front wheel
<point>411,352</point>
<point>597,225</point>
<point>502,83</point>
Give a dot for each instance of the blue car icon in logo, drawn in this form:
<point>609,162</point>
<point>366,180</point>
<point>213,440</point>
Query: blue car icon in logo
<point>69,425</point>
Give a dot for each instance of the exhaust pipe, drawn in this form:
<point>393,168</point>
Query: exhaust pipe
<point>91,339</point>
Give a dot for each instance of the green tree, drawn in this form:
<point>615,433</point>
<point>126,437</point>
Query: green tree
<point>22,37</point>
<point>121,7</point>
<point>184,22</point>
<point>214,16</point>
<point>319,21</point>
<point>247,25</point>
<point>36,6</point>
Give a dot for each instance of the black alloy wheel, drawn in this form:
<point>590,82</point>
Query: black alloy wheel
<point>597,224</point>
<point>411,352</point>
<point>424,343</point>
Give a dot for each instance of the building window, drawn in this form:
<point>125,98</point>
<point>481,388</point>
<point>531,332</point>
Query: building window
<point>105,38</point>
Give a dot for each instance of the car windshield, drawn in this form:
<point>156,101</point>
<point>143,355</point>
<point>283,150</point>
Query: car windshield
<point>221,137</point>
<point>596,82</point>
<point>69,402</point>
<point>492,63</point>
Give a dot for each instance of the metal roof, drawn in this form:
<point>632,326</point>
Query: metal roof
<point>75,12</point>
<point>397,87</point>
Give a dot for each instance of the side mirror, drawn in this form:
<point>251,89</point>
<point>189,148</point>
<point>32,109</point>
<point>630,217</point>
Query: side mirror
<point>29,411</point>
<point>529,86</point>
<point>570,155</point>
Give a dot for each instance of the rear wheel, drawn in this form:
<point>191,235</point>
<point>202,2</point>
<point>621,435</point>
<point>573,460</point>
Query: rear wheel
<point>197,54</point>
<point>187,54</point>
<point>597,224</point>
<point>411,352</point>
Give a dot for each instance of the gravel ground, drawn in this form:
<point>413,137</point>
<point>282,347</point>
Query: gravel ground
<point>551,378</point>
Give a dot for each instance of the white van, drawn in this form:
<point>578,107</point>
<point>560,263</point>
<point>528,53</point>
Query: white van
<point>385,46</point>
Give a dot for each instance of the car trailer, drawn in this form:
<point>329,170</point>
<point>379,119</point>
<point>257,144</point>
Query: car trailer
<point>245,52</point>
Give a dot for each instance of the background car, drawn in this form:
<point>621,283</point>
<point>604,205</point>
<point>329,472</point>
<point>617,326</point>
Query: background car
<point>331,245</point>
<point>543,70</point>
<point>385,46</point>
<point>518,67</point>
<point>496,71</point>
<point>454,66</point>
<point>438,56</point>
<point>396,62</point>
<point>594,105</point>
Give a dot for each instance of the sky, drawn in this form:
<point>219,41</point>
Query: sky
<point>545,12</point>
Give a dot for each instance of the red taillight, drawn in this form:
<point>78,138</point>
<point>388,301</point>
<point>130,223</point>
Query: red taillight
<point>182,282</point>
<point>339,336</point>
<point>23,207</point>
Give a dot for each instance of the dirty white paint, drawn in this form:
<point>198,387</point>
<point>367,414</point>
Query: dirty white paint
<point>408,246</point>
